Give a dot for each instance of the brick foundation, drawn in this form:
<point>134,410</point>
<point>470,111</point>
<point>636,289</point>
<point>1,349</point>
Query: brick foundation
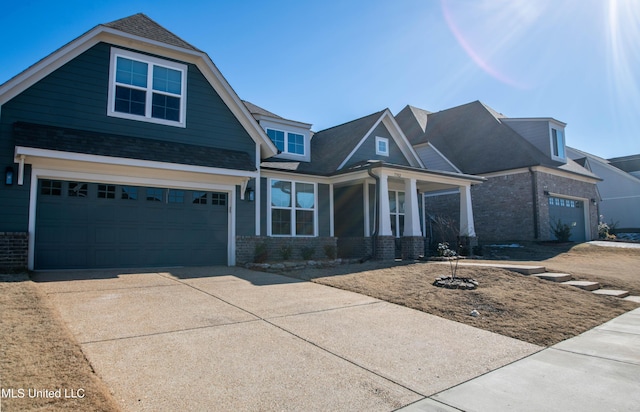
<point>412,247</point>
<point>274,247</point>
<point>385,248</point>
<point>354,247</point>
<point>14,250</point>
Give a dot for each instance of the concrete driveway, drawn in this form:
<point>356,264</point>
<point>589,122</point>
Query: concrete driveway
<point>221,338</point>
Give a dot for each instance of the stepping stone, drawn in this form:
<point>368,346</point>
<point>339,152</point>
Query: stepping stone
<point>583,284</point>
<point>612,292</point>
<point>554,277</point>
<point>633,298</point>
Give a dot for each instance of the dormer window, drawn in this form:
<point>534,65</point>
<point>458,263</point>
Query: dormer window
<point>557,144</point>
<point>287,142</point>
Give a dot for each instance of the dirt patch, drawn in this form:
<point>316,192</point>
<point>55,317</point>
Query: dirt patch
<point>41,365</point>
<point>523,307</point>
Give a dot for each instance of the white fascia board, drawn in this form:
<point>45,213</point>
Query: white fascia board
<point>444,157</point>
<point>47,65</point>
<point>286,122</point>
<point>529,119</point>
<point>361,142</point>
<point>30,152</point>
<point>401,140</point>
<point>57,59</point>
<point>274,174</point>
<point>568,175</point>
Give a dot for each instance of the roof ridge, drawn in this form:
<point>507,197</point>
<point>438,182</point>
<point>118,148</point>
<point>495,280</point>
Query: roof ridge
<point>353,121</point>
<point>140,24</point>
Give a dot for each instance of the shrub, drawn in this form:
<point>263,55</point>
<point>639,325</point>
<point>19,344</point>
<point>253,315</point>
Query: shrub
<point>330,251</point>
<point>260,253</point>
<point>285,252</point>
<point>561,231</point>
<point>307,252</point>
<point>603,230</point>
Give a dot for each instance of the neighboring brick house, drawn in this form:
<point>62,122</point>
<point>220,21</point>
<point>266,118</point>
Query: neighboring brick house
<point>531,183</point>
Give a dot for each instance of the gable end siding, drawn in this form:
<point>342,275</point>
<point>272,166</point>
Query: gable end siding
<point>367,151</point>
<point>75,96</point>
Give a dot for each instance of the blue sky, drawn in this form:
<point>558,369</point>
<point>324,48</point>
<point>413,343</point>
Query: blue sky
<point>329,62</point>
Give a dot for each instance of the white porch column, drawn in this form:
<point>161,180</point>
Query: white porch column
<point>466,213</point>
<point>384,220</point>
<point>411,213</point>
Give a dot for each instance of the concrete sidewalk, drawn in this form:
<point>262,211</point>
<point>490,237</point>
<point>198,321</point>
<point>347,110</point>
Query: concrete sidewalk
<point>231,339</point>
<point>598,370</point>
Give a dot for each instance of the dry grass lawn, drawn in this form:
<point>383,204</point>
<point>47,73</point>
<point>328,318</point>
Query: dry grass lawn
<point>38,353</point>
<point>522,307</point>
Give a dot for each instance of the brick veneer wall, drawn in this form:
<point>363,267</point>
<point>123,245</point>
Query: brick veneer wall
<point>246,247</point>
<point>354,247</point>
<point>566,187</point>
<point>503,206</point>
<point>14,250</point>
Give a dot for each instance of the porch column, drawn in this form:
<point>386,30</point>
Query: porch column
<point>384,220</point>
<point>411,212</point>
<point>466,213</point>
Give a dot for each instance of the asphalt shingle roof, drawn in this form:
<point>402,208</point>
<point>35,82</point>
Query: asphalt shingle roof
<point>102,144</point>
<point>330,147</point>
<point>477,142</point>
<point>141,25</point>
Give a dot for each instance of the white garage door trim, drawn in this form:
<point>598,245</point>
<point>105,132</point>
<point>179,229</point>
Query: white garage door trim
<point>38,173</point>
<point>586,215</point>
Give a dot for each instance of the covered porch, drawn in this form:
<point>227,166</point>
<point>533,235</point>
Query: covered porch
<point>379,213</point>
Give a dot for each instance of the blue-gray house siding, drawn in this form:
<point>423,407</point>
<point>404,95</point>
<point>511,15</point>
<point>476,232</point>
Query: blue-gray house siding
<point>75,96</point>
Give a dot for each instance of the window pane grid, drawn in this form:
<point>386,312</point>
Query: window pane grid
<point>51,187</point>
<point>77,189</point>
<point>106,191</point>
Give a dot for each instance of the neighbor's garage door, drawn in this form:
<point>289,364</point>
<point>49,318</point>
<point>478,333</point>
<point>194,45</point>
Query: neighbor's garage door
<point>570,212</point>
<point>91,225</point>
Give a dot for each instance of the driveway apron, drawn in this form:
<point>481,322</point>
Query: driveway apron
<point>221,338</point>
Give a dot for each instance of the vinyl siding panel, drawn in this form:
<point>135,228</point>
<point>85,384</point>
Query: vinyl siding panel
<point>367,151</point>
<point>324,210</point>
<point>433,160</point>
<point>75,96</point>
<point>245,214</point>
<point>349,211</point>
<point>535,131</point>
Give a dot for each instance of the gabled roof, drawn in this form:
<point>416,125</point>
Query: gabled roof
<point>627,163</point>
<point>141,33</point>
<point>331,149</point>
<point>141,25</point>
<point>473,137</point>
<point>256,110</point>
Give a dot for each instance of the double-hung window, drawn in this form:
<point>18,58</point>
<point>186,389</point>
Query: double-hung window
<point>293,208</point>
<point>147,88</point>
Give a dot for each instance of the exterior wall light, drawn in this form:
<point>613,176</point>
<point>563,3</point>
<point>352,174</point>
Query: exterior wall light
<point>250,194</point>
<point>8,175</point>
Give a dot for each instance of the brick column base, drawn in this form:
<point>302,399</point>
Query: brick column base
<point>385,248</point>
<point>412,247</point>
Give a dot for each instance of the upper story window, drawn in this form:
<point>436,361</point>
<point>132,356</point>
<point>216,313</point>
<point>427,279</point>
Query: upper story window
<point>557,144</point>
<point>287,142</point>
<point>146,88</point>
<point>382,146</point>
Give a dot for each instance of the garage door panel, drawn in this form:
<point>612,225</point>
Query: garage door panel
<point>127,231</point>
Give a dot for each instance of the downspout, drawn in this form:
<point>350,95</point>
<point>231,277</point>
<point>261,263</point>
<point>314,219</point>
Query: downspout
<point>534,188</point>
<point>376,217</point>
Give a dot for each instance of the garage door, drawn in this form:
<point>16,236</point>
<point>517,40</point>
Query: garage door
<point>570,212</point>
<point>92,225</point>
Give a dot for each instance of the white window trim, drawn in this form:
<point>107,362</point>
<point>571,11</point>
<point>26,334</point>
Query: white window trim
<point>152,61</point>
<point>386,142</point>
<point>292,208</point>
<point>396,215</point>
<point>552,146</point>
<point>286,142</point>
